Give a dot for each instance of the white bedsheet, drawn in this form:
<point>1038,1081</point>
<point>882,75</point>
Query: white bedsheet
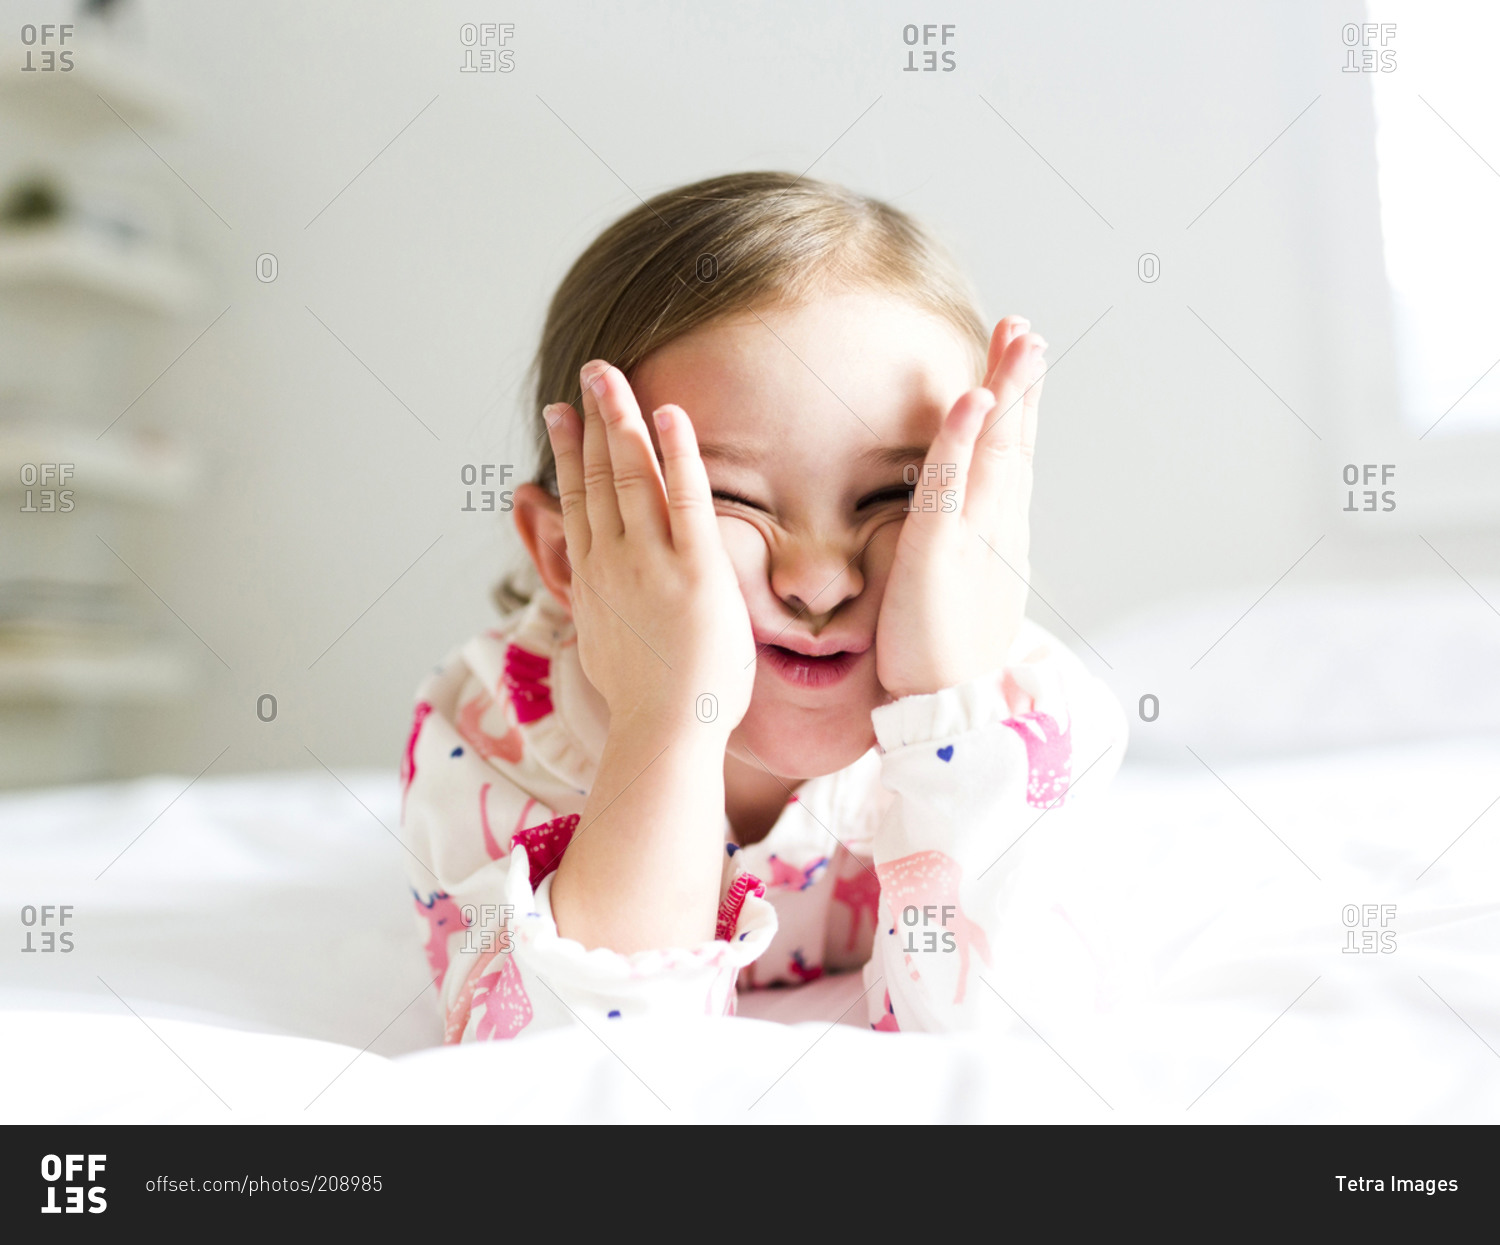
<point>260,932</point>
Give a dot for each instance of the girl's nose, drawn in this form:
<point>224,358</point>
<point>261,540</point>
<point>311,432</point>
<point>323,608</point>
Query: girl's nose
<point>816,577</point>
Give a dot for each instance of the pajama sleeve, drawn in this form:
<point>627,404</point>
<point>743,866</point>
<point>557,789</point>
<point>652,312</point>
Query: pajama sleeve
<point>482,850</point>
<point>515,972</point>
<point>973,768</point>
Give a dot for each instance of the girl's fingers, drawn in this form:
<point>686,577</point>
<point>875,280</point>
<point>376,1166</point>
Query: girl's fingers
<point>1029,405</point>
<point>598,471</point>
<point>565,431</point>
<point>1002,456</point>
<point>690,503</point>
<point>1005,332</point>
<point>943,485</point>
<point>640,493</point>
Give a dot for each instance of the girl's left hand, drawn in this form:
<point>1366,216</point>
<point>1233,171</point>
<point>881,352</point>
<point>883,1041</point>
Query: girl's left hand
<point>956,594</point>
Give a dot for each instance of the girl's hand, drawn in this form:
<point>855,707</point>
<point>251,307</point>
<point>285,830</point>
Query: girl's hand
<point>957,590</point>
<point>660,618</point>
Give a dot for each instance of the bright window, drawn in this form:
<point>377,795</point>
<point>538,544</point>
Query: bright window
<point>1437,116</point>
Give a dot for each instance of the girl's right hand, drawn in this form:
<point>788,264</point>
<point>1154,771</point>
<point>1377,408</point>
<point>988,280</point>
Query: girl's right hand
<point>663,631</point>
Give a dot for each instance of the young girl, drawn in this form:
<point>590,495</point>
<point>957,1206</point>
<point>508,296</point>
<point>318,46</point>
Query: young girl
<point>772,708</point>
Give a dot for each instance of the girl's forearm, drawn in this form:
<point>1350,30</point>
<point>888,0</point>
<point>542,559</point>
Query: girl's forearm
<point>644,867</point>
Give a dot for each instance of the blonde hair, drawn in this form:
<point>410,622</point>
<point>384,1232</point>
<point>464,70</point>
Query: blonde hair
<point>737,243</point>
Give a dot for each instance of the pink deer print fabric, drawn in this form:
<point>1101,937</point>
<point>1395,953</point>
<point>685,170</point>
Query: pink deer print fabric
<point>860,894</point>
<point>934,820</point>
<point>930,880</point>
<point>1049,757</point>
<point>444,918</point>
<point>503,1005</point>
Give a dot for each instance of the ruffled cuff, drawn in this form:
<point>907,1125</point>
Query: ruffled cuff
<point>970,706</point>
<point>692,980</point>
<point>940,715</point>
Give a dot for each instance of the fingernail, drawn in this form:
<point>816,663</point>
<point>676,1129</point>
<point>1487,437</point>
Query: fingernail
<point>663,418</point>
<point>1040,344</point>
<point>551,413</point>
<point>1023,325</point>
<point>592,371</point>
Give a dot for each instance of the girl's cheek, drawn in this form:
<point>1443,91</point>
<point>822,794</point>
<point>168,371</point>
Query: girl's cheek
<point>880,554</point>
<point>748,554</point>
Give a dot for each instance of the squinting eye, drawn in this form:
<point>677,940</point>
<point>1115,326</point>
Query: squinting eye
<point>735,500</point>
<point>904,493</point>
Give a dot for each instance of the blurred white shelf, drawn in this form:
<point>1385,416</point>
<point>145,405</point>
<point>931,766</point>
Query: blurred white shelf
<point>75,259</point>
<point>72,98</point>
<point>142,673</point>
<point>71,661</point>
<point>124,466</point>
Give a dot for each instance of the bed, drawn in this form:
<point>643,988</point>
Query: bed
<point>1310,935</point>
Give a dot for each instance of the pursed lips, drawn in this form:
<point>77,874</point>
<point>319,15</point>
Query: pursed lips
<point>811,663</point>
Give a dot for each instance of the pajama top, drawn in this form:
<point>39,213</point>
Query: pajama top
<point>898,864</point>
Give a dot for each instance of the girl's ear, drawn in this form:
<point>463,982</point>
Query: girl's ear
<point>539,522</point>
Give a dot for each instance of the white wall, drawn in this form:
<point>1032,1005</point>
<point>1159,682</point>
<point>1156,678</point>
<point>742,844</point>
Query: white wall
<point>1165,467</point>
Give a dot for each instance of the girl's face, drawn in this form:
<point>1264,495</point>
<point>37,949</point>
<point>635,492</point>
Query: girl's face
<point>812,421</point>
